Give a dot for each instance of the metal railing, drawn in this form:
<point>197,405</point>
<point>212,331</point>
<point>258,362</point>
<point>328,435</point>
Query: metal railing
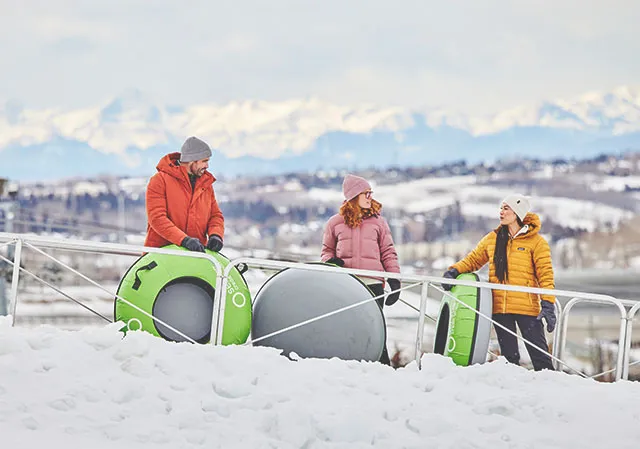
<point>37,243</point>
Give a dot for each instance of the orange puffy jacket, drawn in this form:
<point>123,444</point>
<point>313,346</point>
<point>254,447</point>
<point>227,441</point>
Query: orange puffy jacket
<point>175,210</point>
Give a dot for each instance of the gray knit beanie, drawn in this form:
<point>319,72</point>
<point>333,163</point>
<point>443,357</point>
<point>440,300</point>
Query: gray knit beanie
<point>194,149</point>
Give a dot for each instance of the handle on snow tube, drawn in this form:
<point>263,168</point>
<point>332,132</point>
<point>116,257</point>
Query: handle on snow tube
<point>150,266</point>
<point>242,267</point>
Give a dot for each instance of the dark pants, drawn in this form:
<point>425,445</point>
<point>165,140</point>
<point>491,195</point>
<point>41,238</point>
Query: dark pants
<point>532,330</point>
<point>378,290</point>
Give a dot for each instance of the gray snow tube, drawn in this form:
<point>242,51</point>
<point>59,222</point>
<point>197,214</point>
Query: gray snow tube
<point>292,296</point>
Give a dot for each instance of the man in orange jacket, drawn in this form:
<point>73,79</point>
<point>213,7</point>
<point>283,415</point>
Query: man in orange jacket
<point>181,204</point>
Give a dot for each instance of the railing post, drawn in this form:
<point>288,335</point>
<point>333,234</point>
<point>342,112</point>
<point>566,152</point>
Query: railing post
<point>14,280</point>
<point>219,308</point>
<point>622,338</point>
<point>627,349</point>
<point>556,335</point>
<point>627,346</point>
<point>563,326</point>
<point>216,310</point>
<point>423,311</point>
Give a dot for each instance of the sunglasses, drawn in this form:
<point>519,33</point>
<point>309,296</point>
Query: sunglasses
<point>368,194</point>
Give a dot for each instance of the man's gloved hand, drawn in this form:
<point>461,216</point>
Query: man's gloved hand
<point>451,274</point>
<point>548,312</point>
<point>192,244</point>
<point>336,261</point>
<point>393,297</point>
<point>215,243</point>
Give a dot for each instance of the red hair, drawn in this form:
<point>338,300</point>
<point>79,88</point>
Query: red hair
<point>353,214</point>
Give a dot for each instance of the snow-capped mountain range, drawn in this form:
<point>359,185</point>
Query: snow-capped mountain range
<point>129,134</point>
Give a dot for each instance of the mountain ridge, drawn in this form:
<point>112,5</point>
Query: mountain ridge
<point>130,133</point>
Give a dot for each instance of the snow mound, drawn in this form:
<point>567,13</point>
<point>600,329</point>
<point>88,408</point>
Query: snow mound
<point>94,388</point>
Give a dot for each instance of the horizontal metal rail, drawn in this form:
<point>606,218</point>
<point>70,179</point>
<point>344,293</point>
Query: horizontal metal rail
<point>559,339</point>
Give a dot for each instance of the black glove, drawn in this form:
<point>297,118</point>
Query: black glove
<point>451,274</point>
<point>393,297</point>
<point>215,243</point>
<point>336,261</point>
<point>192,244</point>
<point>548,312</point>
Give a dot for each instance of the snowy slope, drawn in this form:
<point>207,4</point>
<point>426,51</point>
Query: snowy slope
<point>93,388</point>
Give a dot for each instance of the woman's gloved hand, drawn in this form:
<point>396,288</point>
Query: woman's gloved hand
<point>548,312</point>
<point>451,274</point>
<point>336,261</point>
<point>393,297</point>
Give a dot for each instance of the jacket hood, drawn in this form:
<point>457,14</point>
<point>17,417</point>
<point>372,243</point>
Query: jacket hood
<point>170,164</point>
<point>533,222</point>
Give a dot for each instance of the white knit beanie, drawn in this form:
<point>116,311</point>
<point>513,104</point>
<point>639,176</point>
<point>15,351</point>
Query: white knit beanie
<point>519,204</point>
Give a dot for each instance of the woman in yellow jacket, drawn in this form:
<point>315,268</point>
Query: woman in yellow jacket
<point>517,255</point>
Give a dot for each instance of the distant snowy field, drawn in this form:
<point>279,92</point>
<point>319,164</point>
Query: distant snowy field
<point>94,389</point>
<point>424,195</point>
<point>420,196</point>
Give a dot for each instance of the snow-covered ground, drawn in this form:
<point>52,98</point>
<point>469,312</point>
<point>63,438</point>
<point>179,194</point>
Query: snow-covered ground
<point>94,388</point>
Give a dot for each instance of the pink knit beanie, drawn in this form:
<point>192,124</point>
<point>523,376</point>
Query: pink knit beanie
<point>353,186</point>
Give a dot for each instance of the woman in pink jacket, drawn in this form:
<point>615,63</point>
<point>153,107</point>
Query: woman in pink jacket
<point>359,237</point>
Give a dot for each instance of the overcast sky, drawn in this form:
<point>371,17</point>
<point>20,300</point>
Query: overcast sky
<point>473,56</point>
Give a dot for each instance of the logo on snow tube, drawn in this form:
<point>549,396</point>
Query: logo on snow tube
<point>234,298</point>
<point>137,327</point>
<point>179,291</point>
<point>452,344</point>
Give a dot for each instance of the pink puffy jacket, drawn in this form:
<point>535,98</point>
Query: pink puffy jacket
<point>367,247</point>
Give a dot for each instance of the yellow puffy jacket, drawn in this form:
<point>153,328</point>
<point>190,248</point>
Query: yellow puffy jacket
<point>529,264</point>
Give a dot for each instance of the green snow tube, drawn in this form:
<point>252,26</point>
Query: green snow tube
<point>462,334</point>
<point>180,292</point>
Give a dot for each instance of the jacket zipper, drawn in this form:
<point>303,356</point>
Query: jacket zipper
<point>192,194</point>
<point>509,246</point>
<point>356,244</point>
<point>504,292</point>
